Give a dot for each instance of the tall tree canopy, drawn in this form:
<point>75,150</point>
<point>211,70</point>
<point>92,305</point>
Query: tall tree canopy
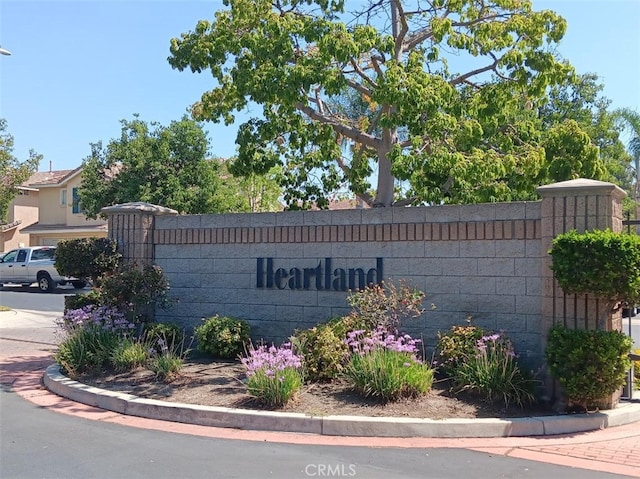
<point>13,172</point>
<point>449,90</point>
<point>580,102</point>
<point>163,165</point>
<point>630,120</point>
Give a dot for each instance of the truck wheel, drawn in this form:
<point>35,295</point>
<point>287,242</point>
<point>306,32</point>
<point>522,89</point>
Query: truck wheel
<point>44,282</point>
<point>78,284</point>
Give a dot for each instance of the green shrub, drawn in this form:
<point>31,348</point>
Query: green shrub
<point>222,336</point>
<point>78,301</point>
<point>323,348</point>
<point>601,263</point>
<point>87,350</point>
<point>636,369</point>
<point>172,334</point>
<point>492,372</point>
<point>386,305</point>
<point>166,356</point>
<point>590,365</point>
<point>87,257</point>
<point>455,346</point>
<point>136,290</point>
<point>129,355</point>
<point>385,366</point>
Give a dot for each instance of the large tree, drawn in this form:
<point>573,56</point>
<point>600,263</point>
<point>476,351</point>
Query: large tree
<point>450,89</point>
<point>580,101</point>
<point>164,165</point>
<point>630,121</point>
<point>13,172</point>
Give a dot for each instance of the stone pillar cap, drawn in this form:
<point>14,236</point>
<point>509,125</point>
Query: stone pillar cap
<point>581,186</point>
<point>138,207</point>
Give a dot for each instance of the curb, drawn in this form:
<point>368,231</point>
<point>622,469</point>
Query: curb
<point>360,426</point>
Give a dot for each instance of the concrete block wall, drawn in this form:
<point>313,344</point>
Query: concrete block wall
<point>474,261</point>
<point>485,263</point>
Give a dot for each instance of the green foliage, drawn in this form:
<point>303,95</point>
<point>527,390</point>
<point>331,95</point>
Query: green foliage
<point>136,290</point>
<point>601,263</point>
<point>166,354</point>
<point>570,154</point>
<point>589,364</point>
<point>12,171</point>
<point>388,375</point>
<point>274,392</point>
<point>129,355</point>
<point>580,101</point>
<point>250,193</point>
<point>453,347</point>
<point>77,301</point>
<point>87,349</point>
<point>385,365</point>
<point>222,336</point>
<point>447,135</point>
<point>273,374</point>
<point>171,334</point>
<point>492,372</point>
<point>166,366</point>
<point>87,257</point>
<point>636,369</point>
<point>323,348</point>
<point>157,164</point>
<point>386,305</point>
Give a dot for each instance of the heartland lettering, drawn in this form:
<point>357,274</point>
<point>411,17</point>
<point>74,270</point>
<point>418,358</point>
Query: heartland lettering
<point>321,277</point>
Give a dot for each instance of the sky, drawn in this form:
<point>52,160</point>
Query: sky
<point>79,67</point>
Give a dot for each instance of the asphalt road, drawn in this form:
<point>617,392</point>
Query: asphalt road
<point>37,442</point>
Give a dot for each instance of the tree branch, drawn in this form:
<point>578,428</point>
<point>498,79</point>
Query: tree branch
<point>344,130</point>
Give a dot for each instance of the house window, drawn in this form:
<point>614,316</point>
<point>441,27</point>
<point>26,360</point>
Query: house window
<point>63,197</point>
<point>76,201</point>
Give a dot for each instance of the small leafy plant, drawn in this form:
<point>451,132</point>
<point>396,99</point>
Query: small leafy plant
<point>323,347</point>
<point>166,360</point>
<point>109,318</point>
<point>128,355</point>
<point>222,336</point>
<point>273,374</point>
<point>386,366</point>
<point>492,372</point>
<point>86,349</point>
<point>454,346</point>
<point>136,290</point>
<point>386,305</point>
<point>77,301</point>
<point>172,334</point>
<point>90,335</point>
<point>589,364</point>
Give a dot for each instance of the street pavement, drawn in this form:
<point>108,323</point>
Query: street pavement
<point>44,435</point>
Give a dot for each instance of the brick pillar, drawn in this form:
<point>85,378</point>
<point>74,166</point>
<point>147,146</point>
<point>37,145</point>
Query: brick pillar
<point>132,226</point>
<point>583,205</point>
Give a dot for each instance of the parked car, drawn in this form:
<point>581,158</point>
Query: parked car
<point>35,264</point>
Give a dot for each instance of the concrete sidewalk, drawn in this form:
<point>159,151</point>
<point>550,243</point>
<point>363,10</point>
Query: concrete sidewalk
<point>611,449</point>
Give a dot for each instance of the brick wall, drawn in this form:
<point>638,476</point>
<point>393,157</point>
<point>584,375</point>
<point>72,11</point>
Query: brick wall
<point>282,271</point>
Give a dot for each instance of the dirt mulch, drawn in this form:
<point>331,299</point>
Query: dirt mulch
<point>219,383</point>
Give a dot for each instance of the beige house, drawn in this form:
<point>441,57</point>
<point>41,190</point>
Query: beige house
<point>59,214</point>
<point>23,211</point>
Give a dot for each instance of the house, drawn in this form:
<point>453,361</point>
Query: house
<point>59,214</point>
<point>23,211</point>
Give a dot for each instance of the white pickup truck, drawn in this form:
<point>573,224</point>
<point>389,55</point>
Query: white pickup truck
<point>35,264</point>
